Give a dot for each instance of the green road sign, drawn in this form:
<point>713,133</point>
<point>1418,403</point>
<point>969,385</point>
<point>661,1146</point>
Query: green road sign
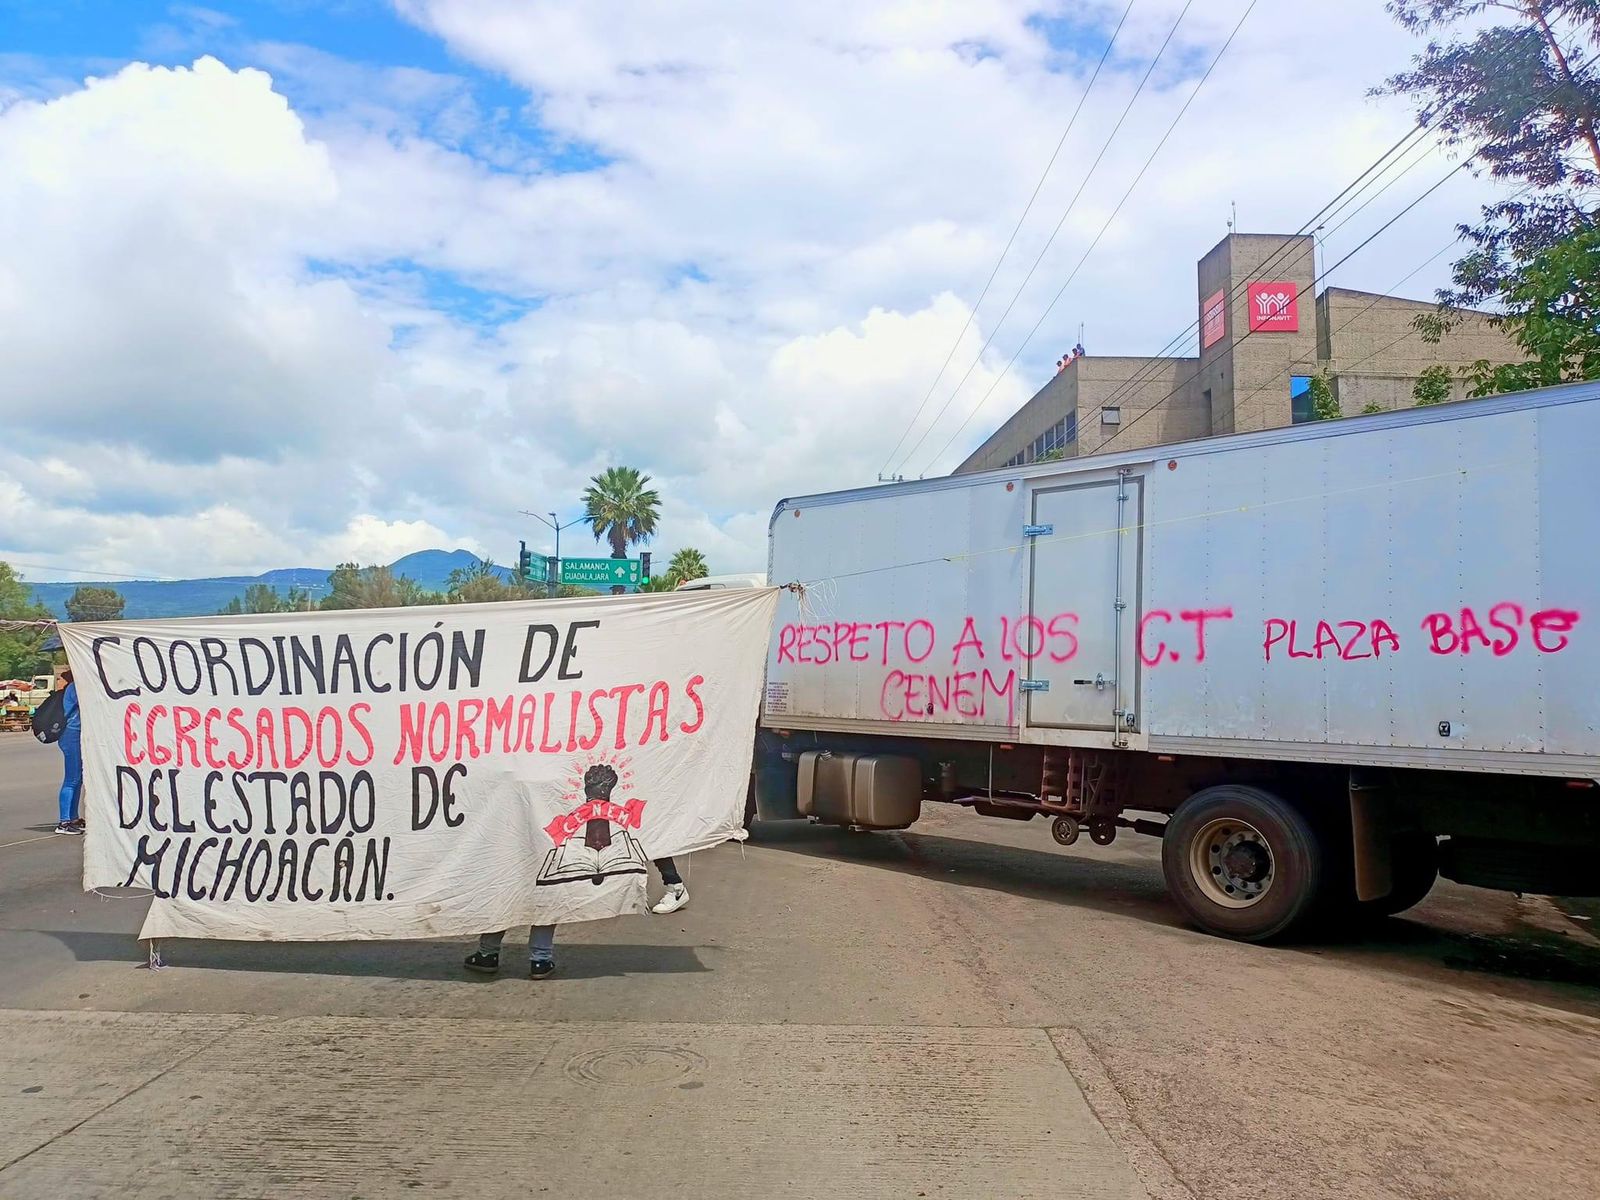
<point>601,574</point>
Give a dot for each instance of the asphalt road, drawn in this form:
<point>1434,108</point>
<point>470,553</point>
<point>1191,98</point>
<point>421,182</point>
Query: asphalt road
<point>959,1010</point>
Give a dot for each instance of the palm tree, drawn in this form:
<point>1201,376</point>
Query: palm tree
<point>621,509</point>
<point>687,564</point>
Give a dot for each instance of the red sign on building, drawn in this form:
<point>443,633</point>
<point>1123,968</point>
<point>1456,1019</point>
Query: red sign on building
<point>1213,319</point>
<point>1274,307</point>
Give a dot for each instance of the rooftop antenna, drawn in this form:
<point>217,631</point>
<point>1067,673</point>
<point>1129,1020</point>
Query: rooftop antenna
<point>1233,215</point>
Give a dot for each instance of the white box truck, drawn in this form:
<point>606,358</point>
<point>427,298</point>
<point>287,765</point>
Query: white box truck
<point>1326,662</point>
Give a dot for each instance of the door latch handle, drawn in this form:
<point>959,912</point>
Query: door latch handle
<point>1099,682</point>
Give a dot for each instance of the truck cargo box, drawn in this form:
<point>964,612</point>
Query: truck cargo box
<point>1412,589</point>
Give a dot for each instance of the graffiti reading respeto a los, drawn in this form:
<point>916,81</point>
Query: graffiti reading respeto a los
<point>967,671</point>
<point>386,774</point>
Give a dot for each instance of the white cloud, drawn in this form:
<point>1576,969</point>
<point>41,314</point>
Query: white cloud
<point>248,337</point>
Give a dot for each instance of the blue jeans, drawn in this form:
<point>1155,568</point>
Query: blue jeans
<point>72,778</point>
<point>541,943</point>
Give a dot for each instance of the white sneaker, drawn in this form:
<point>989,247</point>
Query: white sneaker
<point>677,897</point>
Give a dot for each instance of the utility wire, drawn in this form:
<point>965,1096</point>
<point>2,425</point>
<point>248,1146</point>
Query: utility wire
<point>1015,229</point>
<point>1112,137</point>
<point>1451,174</point>
<point>1103,228</point>
<point>1271,263</point>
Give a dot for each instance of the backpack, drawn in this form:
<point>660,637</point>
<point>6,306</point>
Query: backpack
<point>50,718</point>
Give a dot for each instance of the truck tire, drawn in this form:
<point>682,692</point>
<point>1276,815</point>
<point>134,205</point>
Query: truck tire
<point>1242,862</point>
<point>1415,868</point>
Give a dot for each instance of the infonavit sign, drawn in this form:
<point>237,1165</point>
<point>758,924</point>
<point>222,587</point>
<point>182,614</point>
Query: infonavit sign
<point>1274,307</point>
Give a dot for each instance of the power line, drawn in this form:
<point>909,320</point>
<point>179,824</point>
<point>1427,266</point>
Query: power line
<point>1301,291</point>
<point>1103,228</point>
<point>1015,229</point>
<point>1112,137</point>
<point>1268,265</point>
<point>86,571</point>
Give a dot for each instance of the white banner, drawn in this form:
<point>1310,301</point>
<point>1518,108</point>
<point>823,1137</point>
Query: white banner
<point>414,772</point>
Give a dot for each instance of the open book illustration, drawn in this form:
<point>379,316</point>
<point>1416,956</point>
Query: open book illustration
<point>575,860</point>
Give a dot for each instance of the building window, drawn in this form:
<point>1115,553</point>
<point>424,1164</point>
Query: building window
<point>1111,415</point>
<point>1300,399</point>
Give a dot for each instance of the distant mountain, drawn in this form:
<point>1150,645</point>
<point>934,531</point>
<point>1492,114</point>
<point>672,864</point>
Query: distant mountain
<point>201,597</point>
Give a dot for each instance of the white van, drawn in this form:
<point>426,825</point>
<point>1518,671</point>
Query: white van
<point>711,582</point>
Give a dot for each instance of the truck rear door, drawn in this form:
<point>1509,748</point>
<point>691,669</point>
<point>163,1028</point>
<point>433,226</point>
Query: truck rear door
<point>1086,537</point>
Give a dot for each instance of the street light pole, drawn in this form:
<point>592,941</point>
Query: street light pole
<point>555,523</point>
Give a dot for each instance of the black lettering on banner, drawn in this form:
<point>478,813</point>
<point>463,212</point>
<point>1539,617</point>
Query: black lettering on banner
<point>257,679</point>
<point>308,661</point>
<point>128,778</point>
<point>553,641</point>
<point>332,822</point>
<point>448,801</point>
<point>362,788</point>
<point>432,640</point>
<point>418,775</point>
<point>139,645</point>
<point>366,662</point>
<point>194,869</point>
<point>210,809</point>
<point>344,865</point>
<point>215,651</point>
<point>570,651</point>
<point>144,857</point>
<point>194,663</point>
<point>375,870</point>
<point>260,854</point>
<point>288,869</point>
<point>305,870</point>
<point>100,666</point>
<point>300,799</point>
<point>227,860</point>
<point>461,656</point>
<point>344,659</point>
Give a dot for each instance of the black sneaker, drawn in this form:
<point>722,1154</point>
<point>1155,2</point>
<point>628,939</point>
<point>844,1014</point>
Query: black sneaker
<point>484,964</point>
<point>70,828</point>
<point>541,968</point>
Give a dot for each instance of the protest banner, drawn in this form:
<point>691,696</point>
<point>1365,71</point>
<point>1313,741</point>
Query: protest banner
<point>414,772</point>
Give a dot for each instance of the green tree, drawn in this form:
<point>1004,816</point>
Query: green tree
<point>1432,386</point>
<point>20,653</point>
<point>263,598</point>
<point>89,603</point>
<point>1372,406</point>
<point>354,586</point>
<point>1552,311</point>
<point>1519,96</point>
<point>659,583</point>
<point>482,583</point>
<point>621,509</point>
<point>1324,405</point>
<point>687,564</point>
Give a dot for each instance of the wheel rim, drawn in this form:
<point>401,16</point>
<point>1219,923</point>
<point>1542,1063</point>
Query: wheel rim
<point>1232,863</point>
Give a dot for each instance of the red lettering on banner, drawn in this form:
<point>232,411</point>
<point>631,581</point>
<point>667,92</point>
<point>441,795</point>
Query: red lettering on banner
<point>129,755</point>
<point>568,824</point>
<point>691,690</point>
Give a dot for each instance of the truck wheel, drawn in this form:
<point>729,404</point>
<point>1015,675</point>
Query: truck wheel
<point>1415,868</point>
<point>1065,830</point>
<point>1241,862</point>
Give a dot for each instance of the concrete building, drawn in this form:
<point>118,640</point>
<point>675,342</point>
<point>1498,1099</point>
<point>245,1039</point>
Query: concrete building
<point>1262,339</point>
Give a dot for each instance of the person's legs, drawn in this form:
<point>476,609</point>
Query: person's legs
<point>486,958</point>
<point>71,780</point>
<point>541,951</point>
<point>677,895</point>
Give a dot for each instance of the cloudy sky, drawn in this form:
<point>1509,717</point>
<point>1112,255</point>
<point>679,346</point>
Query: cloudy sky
<point>288,282</point>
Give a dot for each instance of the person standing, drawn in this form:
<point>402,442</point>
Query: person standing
<point>71,743</point>
<point>677,894</point>
<point>541,952</point>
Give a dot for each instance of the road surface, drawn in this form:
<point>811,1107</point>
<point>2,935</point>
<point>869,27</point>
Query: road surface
<point>960,1010</point>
